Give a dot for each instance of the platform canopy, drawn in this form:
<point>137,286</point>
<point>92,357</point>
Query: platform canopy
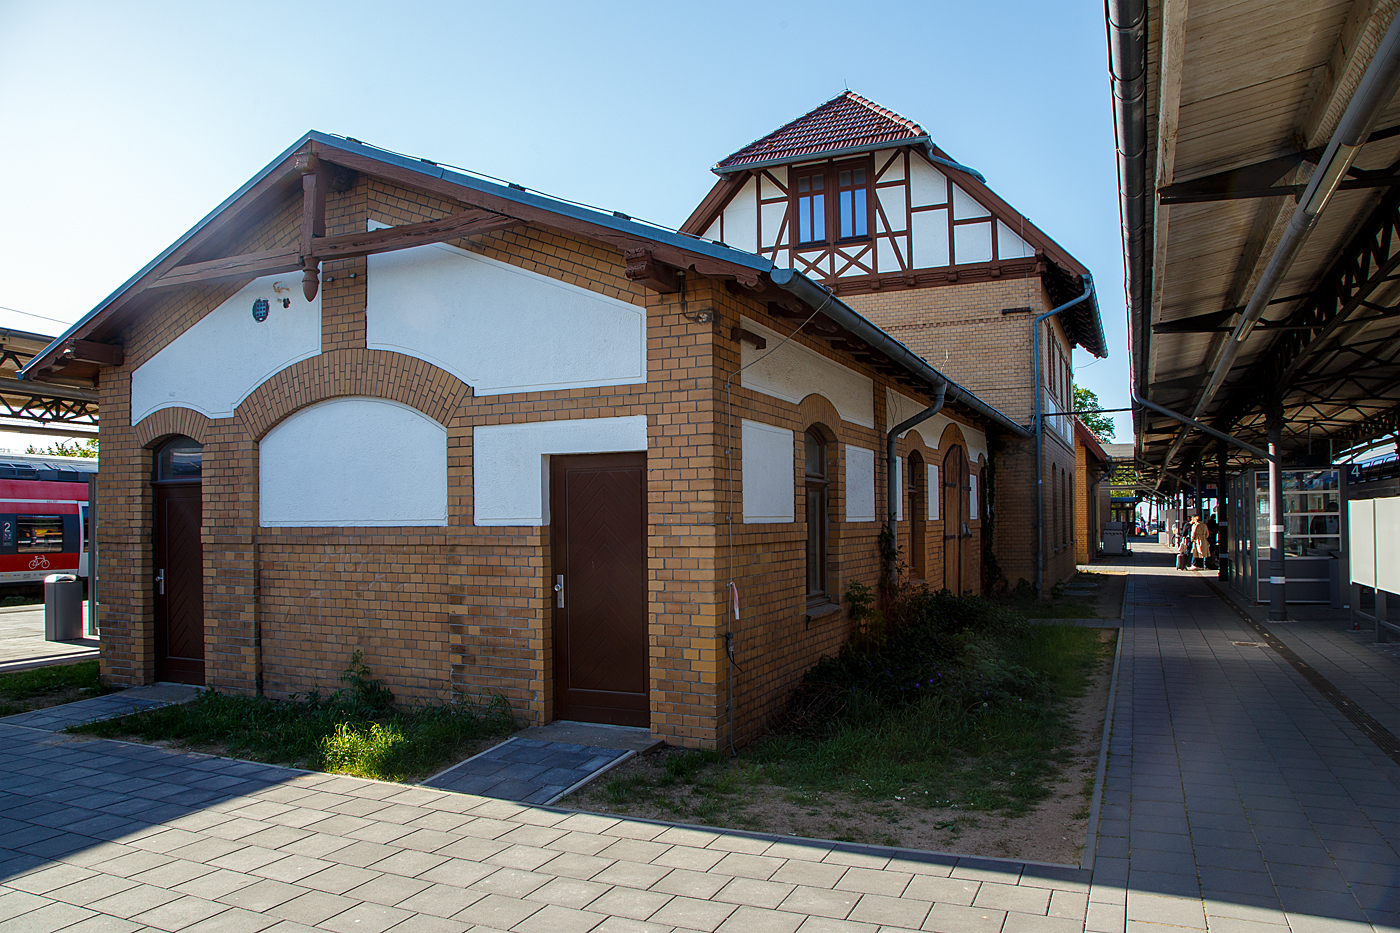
<point>1239,304</point>
<point>38,406</point>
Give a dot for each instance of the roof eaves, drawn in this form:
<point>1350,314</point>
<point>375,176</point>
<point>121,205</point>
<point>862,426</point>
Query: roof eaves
<point>43,356</point>
<point>726,171</point>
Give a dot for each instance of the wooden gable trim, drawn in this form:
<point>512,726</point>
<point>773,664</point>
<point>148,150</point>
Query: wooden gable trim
<point>1008,215</point>
<point>714,203</point>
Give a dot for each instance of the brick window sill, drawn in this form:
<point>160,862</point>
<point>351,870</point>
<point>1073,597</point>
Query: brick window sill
<point>822,609</point>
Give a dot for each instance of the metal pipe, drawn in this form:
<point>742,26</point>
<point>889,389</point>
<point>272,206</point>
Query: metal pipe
<point>1278,574</point>
<point>891,439</point>
<point>1126,22</point>
<point>1039,427</point>
<point>1374,92</point>
<point>814,296</point>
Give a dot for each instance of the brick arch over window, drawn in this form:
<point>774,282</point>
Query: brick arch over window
<point>818,410</point>
<point>952,435</point>
<point>159,425</point>
<point>373,373</point>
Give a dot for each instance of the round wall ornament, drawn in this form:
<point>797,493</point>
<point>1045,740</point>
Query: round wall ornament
<point>260,310</point>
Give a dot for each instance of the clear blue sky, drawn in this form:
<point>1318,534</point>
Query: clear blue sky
<point>126,123</point>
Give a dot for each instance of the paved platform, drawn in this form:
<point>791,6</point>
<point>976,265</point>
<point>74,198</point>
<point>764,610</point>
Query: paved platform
<point>98,709</point>
<point>1237,798</point>
<point>22,643</point>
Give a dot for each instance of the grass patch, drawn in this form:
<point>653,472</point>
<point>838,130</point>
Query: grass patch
<point>357,730</point>
<point>964,706</point>
<point>22,691</point>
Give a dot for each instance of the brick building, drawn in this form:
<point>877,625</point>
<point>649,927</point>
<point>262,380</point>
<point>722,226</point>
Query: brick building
<point>1092,498</point>
<point>860,199</point>
<point>499,442</point>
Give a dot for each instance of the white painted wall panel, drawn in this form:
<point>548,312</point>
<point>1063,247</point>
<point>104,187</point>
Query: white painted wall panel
<point>510,474</point>
<point>900,407</point>
<point>1361,529</point>
<point>895,170</point>
<point>769,481</point>
<point>899,485</point>
<point>927,185</point>
<point>771,190</point>
<point>714,232</point>
<point>353,462</point>
<point>935,492</point>
<point>1010,245</point>
<point>225,355</point>
<point>500,328</point>
<point>860,484</point>
<point>892,203</point>
<point>773,222</point>
<point>930,230</point>
<point>972,497</point>
<point>972,243</point>
<point>792,372</point>
<point>966,207</point>
<point>886,259</point>
<point>741,219</point>
<point>1388,544</point>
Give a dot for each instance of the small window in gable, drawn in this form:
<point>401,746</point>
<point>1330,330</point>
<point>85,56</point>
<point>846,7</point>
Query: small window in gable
<point>811,208</point>
<point>852,203</point>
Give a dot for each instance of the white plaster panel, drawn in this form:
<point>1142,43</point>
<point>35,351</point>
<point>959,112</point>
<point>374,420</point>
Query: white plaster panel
<point>225,355</point>
<point>353,462</point>
<point>741,218</point>
<point>930,229</point>
<point>792,372</point>
<point>894,171</point>
<point>714,232</point>
<point>935,492</point>
<point>823,265</point>
<point>972,497</point>
<point>773,222</point>
<point>1388,544</point>
<point>770,489</point>
<point>771,190</point>
<point>892,203</point>
<point>886,258</point>
<point>860,484</point>
<point>845,255</point>
<point>966,207</point>
<point>1010,245</point>
<point>510,475</point>
<point>780,259</point>
<point>927,185</point>
<point>500,328</point>
<point>972,243</point>
<point>1361,530</point>
<point>900,407</point>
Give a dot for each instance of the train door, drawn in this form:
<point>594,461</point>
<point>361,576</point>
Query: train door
<point>179,562</point>
<point>598,544</point>
<point>956,529</point>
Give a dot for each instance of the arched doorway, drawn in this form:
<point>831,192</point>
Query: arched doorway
<point>178,561</point>
<point>956,526</point>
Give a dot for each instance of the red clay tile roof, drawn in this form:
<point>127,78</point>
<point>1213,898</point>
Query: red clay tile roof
<point>846,121</point>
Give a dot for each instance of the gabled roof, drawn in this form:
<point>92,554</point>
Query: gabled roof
<point>846,123</point>
<point>830,316</point>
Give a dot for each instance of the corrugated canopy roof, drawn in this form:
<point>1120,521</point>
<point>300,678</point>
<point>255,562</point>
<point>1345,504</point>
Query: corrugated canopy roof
<point>847,121</point>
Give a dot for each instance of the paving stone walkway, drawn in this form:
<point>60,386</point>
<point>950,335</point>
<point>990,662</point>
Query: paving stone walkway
<point>98,709</point>
<point>1236,799</point>
<point>528,770</point>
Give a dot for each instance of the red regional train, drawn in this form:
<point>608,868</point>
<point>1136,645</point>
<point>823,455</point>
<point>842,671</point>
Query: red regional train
<point>43,516</point>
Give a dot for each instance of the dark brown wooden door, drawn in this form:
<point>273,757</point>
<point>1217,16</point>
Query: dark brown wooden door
<point>179,583</point>
<point>956,529</point>
<point>598,531</point>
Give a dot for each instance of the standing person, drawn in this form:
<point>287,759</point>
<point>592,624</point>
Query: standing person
<point>1183,549</point>
<point>1200,543</point>
<point>1213,555</point>
<point>1175,534</point>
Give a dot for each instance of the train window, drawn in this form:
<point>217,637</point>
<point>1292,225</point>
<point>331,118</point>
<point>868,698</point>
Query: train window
<point>11,470</point>
<point>39,534</point>
<point>180,458</point>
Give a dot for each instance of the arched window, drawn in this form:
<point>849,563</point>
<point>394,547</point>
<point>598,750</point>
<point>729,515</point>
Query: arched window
<point>817,483</point>
<point>918,514</point>
<point>180,458</point>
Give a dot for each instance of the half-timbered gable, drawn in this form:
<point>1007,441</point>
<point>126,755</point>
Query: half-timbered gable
<point>860,199</point>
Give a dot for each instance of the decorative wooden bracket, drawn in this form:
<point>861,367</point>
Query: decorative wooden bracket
<point>90,351</point>
<point>644,269</point>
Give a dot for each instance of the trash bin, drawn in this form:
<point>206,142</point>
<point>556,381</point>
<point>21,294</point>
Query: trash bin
<point>63,607</point>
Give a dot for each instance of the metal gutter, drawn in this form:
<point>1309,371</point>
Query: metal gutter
<point>814,296</point>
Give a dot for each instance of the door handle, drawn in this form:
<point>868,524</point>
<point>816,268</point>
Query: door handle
<point>160,581</point>
<point>559,591</point>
